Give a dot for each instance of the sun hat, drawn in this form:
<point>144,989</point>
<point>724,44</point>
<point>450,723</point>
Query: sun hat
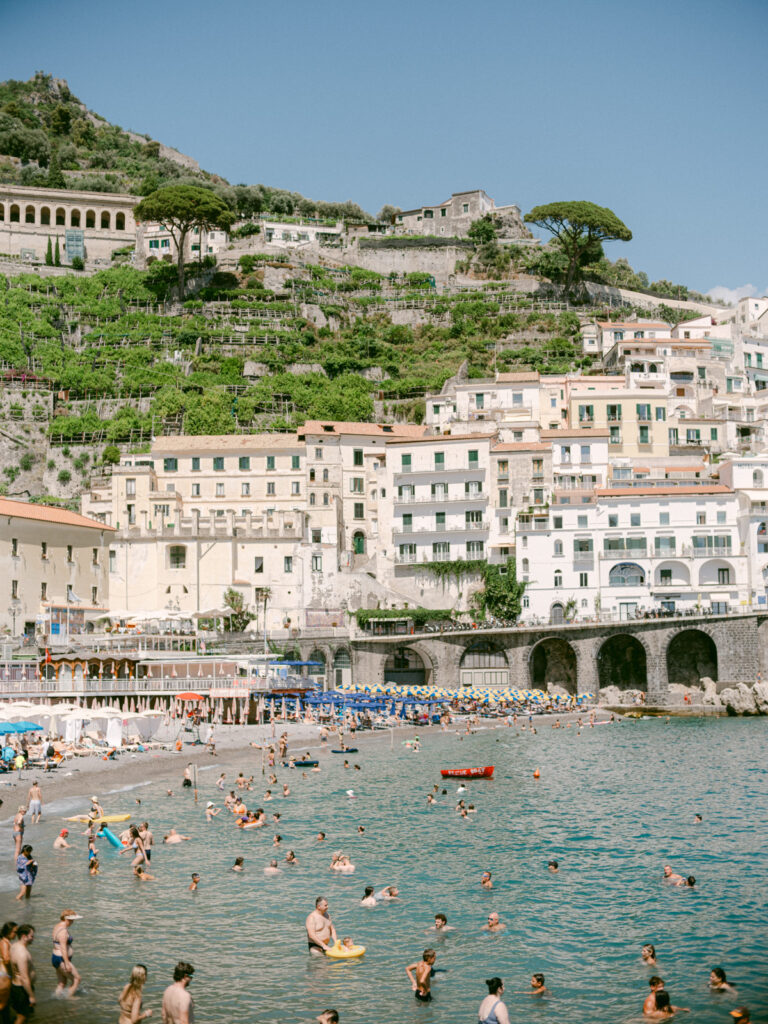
<point>64,832</point>
<point>209,804</point>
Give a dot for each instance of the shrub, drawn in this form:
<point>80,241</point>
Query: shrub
<point>27,461</point>
<point>111,455</point>
<point>78,263</point>
<point>50,464</point>
<point>64,476</point>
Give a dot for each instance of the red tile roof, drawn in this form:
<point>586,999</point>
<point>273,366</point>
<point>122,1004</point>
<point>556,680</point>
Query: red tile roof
<point>48,514</point>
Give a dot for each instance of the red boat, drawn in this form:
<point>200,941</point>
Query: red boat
<point>468,773</point>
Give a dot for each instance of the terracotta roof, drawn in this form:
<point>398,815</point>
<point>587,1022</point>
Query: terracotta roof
<point>516,378</point>
<point>48,514</point>
<point>685,469</point>
<point>222,443</point>
<point>522,446</point>
<point>686,489</point>
<point>440,438</point>
<point>576,432</point>
<point>339,427</point>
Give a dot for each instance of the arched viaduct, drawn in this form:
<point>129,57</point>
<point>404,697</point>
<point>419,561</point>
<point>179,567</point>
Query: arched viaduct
<point>644,654</point>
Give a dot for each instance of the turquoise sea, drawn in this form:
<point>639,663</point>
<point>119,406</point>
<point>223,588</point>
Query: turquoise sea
<point>613,805</point>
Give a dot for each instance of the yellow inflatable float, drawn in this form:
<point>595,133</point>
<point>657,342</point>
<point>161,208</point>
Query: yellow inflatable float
<point>338,951</point>
<point>109,819</point>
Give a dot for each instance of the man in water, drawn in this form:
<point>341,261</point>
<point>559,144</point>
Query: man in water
<point>485,881</point>
<point>195,882</point>
<point>35,802</point>
<point>320,930</point>
<point>657,984</point>
<point>441,924</point>
<point>272,868</point>
<point>420,976</point>
<point>22,1000</point>
<point>60,842</point>
<point>368,900</point>
<point>674,879</point>
<point>177,1002</point>
<point>173,837</point>
<point>186,782</point>
<point>494,924</point>
<point>328,1017</point>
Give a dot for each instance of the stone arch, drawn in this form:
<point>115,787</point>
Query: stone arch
<point>119,222</point>
<point>90,218</point>
<point>406,667</point>
<point>552,663</point>
<point>317,670</point>
<point>671,573</point>
<point>106,221</point>
<point>717,572</point>
<point>691,657</point>
<point>61,216</point>
<point>622,661</point>
<point>74,218</point>
<point>342,667</point>
<point>15,216</point>
<point>626,574</point>
<point>30,214</point>
<point>483,663</point>
<point>45,215</point>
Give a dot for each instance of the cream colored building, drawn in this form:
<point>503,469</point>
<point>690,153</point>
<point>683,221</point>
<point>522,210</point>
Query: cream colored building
<point>56,569</point>
<point>636,418</point>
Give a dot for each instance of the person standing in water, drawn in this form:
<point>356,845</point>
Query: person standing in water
<point>60,958</point>
<point>22,1001</point>
<point>130,1001</point>
<point>177,1002</point>
<point>35,801</point>
<point>492,1010</point>
<point>420,976</point>
<point>320,930</point>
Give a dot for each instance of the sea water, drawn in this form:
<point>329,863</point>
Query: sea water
<point>612,805</point>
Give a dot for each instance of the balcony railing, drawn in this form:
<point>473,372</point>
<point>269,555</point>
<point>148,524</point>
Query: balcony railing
<point>406,531</point>
<point>417,499</point>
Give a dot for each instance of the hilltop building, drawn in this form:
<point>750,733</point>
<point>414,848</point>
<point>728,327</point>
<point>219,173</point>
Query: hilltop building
<point>454,217</point>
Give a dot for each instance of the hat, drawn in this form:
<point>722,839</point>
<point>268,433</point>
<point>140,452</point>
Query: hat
<point>94,798</point>
<point>740,1013</point>
<point>64,832</point>
<point>209,804</point>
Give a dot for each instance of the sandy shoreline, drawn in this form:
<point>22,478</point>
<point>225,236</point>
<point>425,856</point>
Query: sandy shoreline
<point>92,775</point>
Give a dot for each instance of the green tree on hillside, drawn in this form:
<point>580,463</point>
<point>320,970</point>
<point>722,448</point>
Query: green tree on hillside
<point>182,208</point>
<point>580,229</point>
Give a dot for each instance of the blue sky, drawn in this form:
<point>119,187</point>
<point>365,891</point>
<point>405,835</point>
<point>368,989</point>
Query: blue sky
<point>657,110</point>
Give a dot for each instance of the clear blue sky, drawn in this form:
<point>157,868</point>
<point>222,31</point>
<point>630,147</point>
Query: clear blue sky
<point>656,109</point>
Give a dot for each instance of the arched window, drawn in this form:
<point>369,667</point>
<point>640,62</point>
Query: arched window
<point>119,222</point>
<point>15,214</point>
<point>558,547</point>
<point>558,579</point>
<point>45,215</point>
<point>177,556</point>
<point>2,212</point>
<point>311,476</point>
<point>105,221</point>
<point>326,499</point>
<point>61,216</point>
<point>319,668</point>
<point>29,215</point>
<point>626,574</point>
<point>325,476</point>
<point>757,478</point>
<point>311,497</point>
<point>74,219</point>
<point>525,565</point>
<point>90,219</point>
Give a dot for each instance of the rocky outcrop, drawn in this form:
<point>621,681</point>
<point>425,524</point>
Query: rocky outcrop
<point>739,700</point>
<point>613,695</point>
<point>711,696</point>
<point>760,691</point>
<point>678,692</point>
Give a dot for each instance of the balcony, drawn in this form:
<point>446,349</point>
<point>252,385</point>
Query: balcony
<point>417,499</point>
<point>448,528</point>
<point>476,472</point>
<point>615,439</point>
<point>526,525</point>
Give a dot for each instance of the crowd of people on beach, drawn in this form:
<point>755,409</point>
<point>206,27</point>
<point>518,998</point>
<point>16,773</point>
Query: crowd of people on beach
<point>18,972</point>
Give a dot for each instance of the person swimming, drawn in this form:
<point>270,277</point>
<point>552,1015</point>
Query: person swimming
<point>648,954</point>
<point>718,981</point>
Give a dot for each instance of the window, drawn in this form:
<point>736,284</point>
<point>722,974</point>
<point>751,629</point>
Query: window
<point>169,466</point>
<point>721,518</point>
<point>558,549</point>
<point>271,488</point>
<point>218,464</point>
<point>295,462</point>
<point>661,414</point>
<point>244,462</point>
<point>614,414</point>
<point>258,564</point>
<point>131,511</point>
<point>665,545</point>
<point>582,546</point>
<point>295,487</point>
<point>644,435</point>
<point>220,490</point>
<point>94,556</point>
<point>503,497</point>
<point>473,459</point>
<point>177,556</point>
<point>270,463</point>
<point>312,498</point>
<point>565,453</point>
<point>558,579</point>
<point>441,551</point>
<point>583,579</point>
<point>626,575</point>
<point>94,595</point>
<point>473,520</point>
<point>634,518</point>
<point>196,464</point>
<point>586,413</point>
<point>245,489</point>
<point>502,467</point>
<point>701,518</point>
<point>69,552</point>
<point>582,522</point>
<point>613,520</point>
<point>325,476</point>
<point>359,510</point>
<point>113,561</point>
<point>557,522</point>
<point>288,563</point>
<point>317,563</point>
<point>440,520</point>
<point>586,453</point>
<point>357,457</point>
<point>475,549</point>
<point>615,436</point>
<point>479,401</point>
<point>537,467</point>
<point>634,545</point>
<point>472,489</point>
<point>713,433</point>
<point>43,591</point>
<point>538,496</point>
<point>663,518</point>
<point>439,460</point>
<point>465,207</point>
<point>311,476</point>
<point>435,410</point>
<point>439,491</point>
<point>517,400</point>
<point>195,490</point>
<point>357,484</point>
<point>326,499</point>
<point>723,577</point>
<point>318,453</point>
<point>317,536</point>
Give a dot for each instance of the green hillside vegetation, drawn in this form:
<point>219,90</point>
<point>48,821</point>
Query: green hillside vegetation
<point>107,336</point>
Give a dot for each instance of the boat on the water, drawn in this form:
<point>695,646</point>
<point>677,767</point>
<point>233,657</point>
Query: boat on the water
<point>468,773</point>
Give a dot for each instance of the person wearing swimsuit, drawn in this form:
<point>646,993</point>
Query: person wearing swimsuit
<point>61,956</point>
<point>492,1010</point>
<point>131,1010</point>
<point>18,830</point>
